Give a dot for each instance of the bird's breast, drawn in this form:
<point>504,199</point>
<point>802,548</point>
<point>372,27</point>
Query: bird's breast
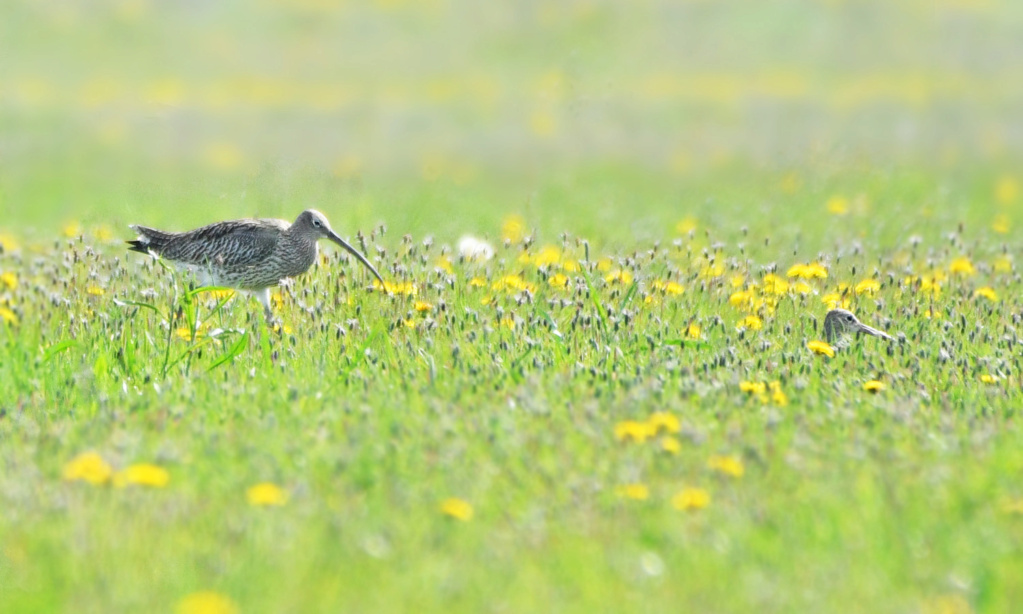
<point>296,257</point>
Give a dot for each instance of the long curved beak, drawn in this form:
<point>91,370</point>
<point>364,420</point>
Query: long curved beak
<point>863,328</point>
<point>336,239</point>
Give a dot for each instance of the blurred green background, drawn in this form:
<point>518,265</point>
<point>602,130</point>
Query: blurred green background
<point>613,119</point>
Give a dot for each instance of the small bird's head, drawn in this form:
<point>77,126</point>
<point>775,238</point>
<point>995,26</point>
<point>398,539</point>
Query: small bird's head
<point>313,223</point>
<point>840,322</point>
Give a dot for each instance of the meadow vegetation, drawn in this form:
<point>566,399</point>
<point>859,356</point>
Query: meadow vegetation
<point>630,406</point>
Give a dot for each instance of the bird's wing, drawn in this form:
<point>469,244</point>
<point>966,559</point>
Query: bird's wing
<point>234,243</point>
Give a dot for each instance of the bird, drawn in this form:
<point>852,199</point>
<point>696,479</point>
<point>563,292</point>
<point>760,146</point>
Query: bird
<point>839,323</point>
<point>248,254</point>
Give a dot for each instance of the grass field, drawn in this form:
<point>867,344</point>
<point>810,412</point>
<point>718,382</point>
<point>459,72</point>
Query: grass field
<point>623,410</point>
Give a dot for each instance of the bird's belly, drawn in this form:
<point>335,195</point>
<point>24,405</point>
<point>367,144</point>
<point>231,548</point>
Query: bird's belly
<point>253,276</point>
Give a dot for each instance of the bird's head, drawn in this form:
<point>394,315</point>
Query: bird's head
<point>314,224</point>
<point>840,322</point>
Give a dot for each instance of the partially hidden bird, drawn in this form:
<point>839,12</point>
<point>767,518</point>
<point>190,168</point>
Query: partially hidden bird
<point>839,324</point>
<point>249,254</point>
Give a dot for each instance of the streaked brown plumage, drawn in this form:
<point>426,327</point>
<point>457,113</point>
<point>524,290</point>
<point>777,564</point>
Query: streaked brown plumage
<point>248,254</point>
<point>839,323</point>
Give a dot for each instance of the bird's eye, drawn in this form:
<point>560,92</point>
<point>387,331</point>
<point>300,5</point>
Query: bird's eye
<point>848,318</point>
<point>316,222</point>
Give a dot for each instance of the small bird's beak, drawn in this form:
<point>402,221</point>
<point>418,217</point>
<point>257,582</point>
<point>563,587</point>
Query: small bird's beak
<point>336,239</point>
<point>863,328</point>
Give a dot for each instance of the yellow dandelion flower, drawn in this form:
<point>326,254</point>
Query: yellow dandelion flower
<point>838,205</point>
<point>663,421</point>
<point>712,270</point>
<point>618,277</point>
<point>932,314</point>
<point>743,299</point>
<point>8,243</point>
<point>693,331</point>
<point>797,270</point>
<point>1002,264</point>
<point>690,499</point>
<point>751,323</point>
<point>1000,224</point>
<point>266,494</point>
<point>873,386</point>
<point>206,602</point>
<point>652,299</point>
<point>987,378</point>
<point>513,228</point>
<point>800,287</point>
<point>778,397</point>
<point>835,300</point>
<point>738,280</point>
<point>634,430</point>
<point>422,306</point>
<point>753,388</point>
<point>808,271</point>
<point>9,280</point>
<point>549,255</point>
<point>71,230</point>
<point>821,347</point>
<point>775,284</point>
<point>8,316</point>
<point>185,333</point>
<point>604,265</point>
<point>728,465</point>
<point>930,285</point>
<point>103,233</point>
<point>278,328</point>
<point>1006,190</point>
<point>510,283</point>
<point>668,287</point>
<point>444,263</point>
<point>636,492</point>
<point>686,226</point>
<point>868,287</point>
<point>458,509</point>
<point>477,282</point>
<point>95,291</point>
<point>961,266</point>
<point>404,288</point>
<point>558,280</point>
<point>142,474</point>
<point>986,292</point>
<point>88,467</point>
<point>671,445</point>
<point>226,293</point>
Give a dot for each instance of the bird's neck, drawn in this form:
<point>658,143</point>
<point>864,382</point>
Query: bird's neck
<point>302,249</point>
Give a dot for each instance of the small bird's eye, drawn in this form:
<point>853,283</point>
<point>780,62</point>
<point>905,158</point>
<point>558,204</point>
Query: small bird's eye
<point>849,318</point>
<point>316,222</point>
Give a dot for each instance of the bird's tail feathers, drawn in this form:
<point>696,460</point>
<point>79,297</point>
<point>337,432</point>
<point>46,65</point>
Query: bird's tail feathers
<point>150,240</point>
